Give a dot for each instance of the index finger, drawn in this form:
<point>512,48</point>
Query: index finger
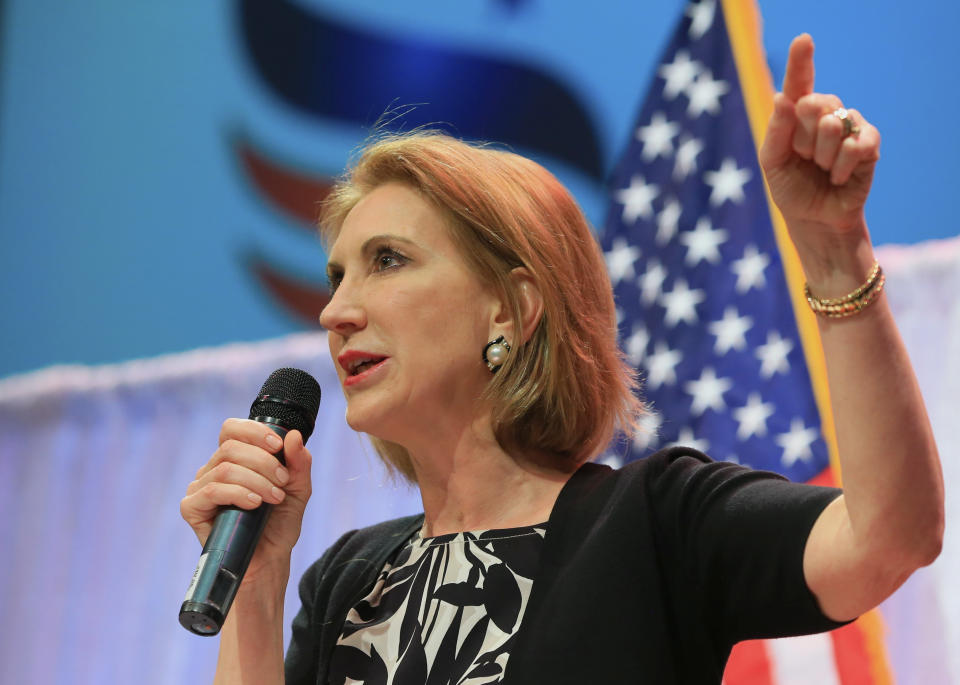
<point>250,432</point>
<point>798,80</point>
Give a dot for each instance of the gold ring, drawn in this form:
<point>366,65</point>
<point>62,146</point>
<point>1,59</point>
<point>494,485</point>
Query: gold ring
<point>849,128</point>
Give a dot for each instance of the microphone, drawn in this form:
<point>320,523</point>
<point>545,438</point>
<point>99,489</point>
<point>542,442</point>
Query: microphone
<point>289,400</point>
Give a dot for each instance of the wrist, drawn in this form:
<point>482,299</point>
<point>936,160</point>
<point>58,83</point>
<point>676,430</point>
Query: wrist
<point>267,586</point>
<point>251,641</point>
<point>834,264</point>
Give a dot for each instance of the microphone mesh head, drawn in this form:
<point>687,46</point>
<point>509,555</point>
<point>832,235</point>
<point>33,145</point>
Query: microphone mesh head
<point>292,397</point>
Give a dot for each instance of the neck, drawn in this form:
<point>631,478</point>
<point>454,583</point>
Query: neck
<point>468,482</point>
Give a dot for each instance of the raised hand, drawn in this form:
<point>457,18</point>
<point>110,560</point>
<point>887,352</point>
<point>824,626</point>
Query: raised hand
<point>819,172</point>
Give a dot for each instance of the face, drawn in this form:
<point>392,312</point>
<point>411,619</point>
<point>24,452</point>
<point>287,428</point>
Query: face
<point>407,320</point>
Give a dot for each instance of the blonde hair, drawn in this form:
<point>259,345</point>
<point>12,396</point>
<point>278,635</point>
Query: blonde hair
<point>567,389</point>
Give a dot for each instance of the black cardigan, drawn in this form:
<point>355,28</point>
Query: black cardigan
<point>649,573</point>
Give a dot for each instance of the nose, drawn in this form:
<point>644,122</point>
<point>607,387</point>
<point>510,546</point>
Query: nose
<point>344,312</point>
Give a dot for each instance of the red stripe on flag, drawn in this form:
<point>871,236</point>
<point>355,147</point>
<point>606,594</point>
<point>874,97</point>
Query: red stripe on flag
<point>825,478</point>
<point>749,664</point>
<point>852,656</point>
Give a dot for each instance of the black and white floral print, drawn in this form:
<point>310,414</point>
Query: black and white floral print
<point>443,612</point>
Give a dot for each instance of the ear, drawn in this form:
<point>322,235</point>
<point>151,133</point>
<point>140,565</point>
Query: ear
<point>531,308</point>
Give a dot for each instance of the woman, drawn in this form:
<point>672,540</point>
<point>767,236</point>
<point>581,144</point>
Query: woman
<point>473,329</point>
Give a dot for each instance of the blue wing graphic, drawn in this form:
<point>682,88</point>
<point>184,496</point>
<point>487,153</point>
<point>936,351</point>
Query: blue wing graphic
<point>327,69</point>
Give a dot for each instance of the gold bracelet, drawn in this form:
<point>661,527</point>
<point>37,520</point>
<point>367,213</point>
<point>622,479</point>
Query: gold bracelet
<point>869,283</point>
<point>852,303</point>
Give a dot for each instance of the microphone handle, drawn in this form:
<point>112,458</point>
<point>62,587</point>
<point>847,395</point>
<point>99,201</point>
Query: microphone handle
<point>225,557</point>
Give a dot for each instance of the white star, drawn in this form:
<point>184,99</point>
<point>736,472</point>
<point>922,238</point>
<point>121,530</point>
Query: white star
<point>657,137</point>
<point>661,366</point>
<point>681,303</point>
<point>619,314</point>
<point>727,182</point>
<point>753,417</point>
<point>620,260</point>
<point>646,434</point>
<point>637,200</point>
<point>686,439</point>
<point>703,242</point>
<point>636,344</point>
<point>705,94</point>
<point>749,269</point>
<point>730,331</point>
<point>668,220</point>
<point>687,153</point>
<point>679,74</point>
<point>707,392</point>
<point>651,282</point>
<point>773,355</point>
<point>796,443</point>
<point>701,15</point>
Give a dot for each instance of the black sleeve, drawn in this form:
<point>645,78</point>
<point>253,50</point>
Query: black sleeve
<point>737,537</point>
<point>301,663</point>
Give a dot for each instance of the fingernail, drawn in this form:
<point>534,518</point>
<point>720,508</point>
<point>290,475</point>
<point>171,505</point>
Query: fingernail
<point>254,497</point>
<point>274,441</point>
<point>277,494</point>
<point>282,475</point>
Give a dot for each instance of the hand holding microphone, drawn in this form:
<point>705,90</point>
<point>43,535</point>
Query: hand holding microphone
<point>254,487</point>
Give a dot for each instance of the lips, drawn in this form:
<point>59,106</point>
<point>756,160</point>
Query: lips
<point>357,362</point>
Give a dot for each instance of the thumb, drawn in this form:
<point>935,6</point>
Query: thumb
<point>777,145</point>
<point>299,461</point>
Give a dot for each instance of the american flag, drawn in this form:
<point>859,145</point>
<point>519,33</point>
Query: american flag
<point>703,302</point>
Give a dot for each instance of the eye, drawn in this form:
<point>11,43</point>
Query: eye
<point>333,281</point>
<point>388,258</point>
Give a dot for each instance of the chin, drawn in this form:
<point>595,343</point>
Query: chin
<point>356,420</point>
<point>364,418</point>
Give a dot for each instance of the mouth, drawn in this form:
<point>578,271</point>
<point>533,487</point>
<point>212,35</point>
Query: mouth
<point>359,363</point>
<point>357,369</point>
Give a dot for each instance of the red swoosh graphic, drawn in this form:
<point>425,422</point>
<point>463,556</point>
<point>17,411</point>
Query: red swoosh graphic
<point>302,299</point>
<point>295,193</point>
<point>298,195</point>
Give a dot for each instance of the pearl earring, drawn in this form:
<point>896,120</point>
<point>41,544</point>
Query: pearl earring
<point>495,353</point>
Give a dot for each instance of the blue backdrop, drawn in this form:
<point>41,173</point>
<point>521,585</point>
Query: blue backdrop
<point>159,161</point>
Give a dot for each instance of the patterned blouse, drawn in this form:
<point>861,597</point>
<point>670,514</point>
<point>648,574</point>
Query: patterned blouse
<point>444,611</point>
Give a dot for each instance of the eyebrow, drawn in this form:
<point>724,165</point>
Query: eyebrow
<point>335,267</point>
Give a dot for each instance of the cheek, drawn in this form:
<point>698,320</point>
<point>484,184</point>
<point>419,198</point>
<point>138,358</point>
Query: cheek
<point>439,329</point>
<point>446,320</point>
<point>452,336</point>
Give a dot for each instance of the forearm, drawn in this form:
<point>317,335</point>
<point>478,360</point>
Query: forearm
<point>251,640</point>
<point>893,488</point>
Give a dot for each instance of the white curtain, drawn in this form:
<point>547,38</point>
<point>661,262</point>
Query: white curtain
<point>93,462</point>
<point>923,617</point>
